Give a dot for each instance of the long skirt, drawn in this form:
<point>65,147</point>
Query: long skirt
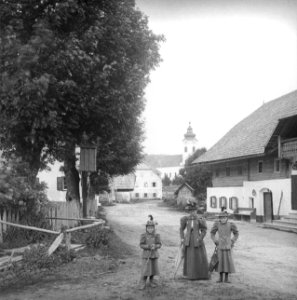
<point>195,261</point>
<point>226,263</point>
<point>150,267</point>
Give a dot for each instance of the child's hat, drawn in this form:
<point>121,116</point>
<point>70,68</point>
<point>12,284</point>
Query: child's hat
<point>151,221</point>
<point>191,205</point>
<point>223,214</point>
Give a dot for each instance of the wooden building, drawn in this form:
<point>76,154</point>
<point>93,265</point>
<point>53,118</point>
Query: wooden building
<point>183,194</point>
<point>254,165</point>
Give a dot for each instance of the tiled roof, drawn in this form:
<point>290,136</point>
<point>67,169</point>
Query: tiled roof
<point>143,166</point>
<point>250,136</point>
<point>182,185</point>
<point>163,160</point>
<point>125,182</point>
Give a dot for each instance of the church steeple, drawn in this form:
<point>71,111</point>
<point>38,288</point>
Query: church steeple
<point>189,143</point>
<point>190,134</point>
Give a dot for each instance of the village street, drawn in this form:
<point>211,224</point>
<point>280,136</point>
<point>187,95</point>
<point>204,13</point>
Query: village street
<point>265,259</point>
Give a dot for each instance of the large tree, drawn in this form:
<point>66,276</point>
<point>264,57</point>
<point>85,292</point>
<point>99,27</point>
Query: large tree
<point>69,68</point>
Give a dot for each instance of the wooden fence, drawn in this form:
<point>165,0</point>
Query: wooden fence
<point>59,211</point>
<point>7,215</point>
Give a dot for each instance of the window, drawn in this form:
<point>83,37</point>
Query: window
<point>227,171</point>
<point>193,149</point>
<point>61,183</point>
<point>223,201</point>
<point>137,195</point>
<point>154,184</point>
<point>186,149</point>
<point>213,202</point>
<point>277,165</point>
<point>233,203</point>
<point>260,166</point>
<point>145,195</point>
<point>239,170</point>
<point>154,195</point>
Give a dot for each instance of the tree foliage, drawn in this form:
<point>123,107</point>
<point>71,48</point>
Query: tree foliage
<point>199,177</point>
<point>166,180</point>
<point>69,67</point>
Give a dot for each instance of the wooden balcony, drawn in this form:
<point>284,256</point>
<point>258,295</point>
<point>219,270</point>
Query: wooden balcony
<point>288,148</point>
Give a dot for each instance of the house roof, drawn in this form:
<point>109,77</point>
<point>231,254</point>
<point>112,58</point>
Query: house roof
<point>126,182</point>
<point>144,166</point>
<point>182,185</point>
<point>163,160</point>
<point>250,136</point>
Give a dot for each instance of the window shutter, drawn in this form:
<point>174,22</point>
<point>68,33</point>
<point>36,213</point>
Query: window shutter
<point>60,181</point>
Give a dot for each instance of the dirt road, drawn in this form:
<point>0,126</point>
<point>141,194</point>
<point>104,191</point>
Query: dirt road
<point>265,260</point>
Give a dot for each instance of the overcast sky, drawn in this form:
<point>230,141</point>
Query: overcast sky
<point>221,60</point>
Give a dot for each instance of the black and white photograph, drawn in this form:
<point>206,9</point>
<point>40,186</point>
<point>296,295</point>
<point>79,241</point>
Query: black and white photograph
<point>148,149</point>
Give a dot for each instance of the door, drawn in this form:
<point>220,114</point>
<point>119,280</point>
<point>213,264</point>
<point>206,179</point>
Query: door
<point>268,209</point>
<point>294,192</point>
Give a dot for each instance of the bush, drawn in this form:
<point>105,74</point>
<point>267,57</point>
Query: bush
<point>97,238</point>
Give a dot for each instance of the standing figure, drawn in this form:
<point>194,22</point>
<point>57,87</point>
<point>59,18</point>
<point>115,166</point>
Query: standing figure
<point>225,244</point>
<point>195,257</point>
<point>150,242</point>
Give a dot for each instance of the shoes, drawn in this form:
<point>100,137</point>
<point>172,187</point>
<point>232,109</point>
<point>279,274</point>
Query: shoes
<point>153,284</point>
<point>142,286</point>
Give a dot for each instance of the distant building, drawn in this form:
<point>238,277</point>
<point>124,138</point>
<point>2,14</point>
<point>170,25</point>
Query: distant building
<point>190,144</point>
<point>148,183</point>
<point>122,187</point>
<point>184,193</point>
<point>254,164</point>
<point>171,164</point>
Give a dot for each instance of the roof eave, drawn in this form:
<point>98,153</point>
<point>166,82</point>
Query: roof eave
<point>212,162</point>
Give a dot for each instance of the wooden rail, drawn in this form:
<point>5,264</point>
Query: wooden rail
<point>29,227</point>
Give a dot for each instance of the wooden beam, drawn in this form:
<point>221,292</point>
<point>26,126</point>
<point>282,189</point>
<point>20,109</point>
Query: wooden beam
<point>85,226</point>
<point>29,227</point>
<point>55,244</point>
<point>74,219</point>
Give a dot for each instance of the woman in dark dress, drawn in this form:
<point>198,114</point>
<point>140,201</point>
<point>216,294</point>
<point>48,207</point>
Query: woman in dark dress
<point>195,257</point>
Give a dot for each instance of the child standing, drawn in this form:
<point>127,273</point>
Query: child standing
<point>150,242</point>
<point>224,243</point>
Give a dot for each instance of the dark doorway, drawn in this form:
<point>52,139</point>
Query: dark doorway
<point>268,208</point>
<point>294,192</point>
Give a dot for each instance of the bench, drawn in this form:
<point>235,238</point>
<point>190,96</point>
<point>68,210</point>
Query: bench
<point>245,214</point>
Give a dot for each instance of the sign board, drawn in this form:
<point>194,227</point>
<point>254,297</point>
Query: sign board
<point>88,158</point>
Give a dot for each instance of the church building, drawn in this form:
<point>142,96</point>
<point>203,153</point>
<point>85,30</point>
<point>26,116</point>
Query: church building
<point>171,164</point>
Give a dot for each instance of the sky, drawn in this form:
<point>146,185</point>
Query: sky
<point>222,59</point>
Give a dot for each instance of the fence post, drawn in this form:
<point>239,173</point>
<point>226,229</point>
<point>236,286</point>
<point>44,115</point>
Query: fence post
<point>68,240</point>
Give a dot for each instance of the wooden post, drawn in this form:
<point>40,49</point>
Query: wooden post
<point>68,240</point>
<point>279,145</point>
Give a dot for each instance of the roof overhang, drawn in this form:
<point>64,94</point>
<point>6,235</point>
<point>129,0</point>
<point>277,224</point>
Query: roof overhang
<point>219,161</point>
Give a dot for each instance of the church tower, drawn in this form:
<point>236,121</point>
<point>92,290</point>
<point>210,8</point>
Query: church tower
<point>189,144</point>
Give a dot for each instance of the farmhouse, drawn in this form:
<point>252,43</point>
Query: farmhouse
<point>254,165</point>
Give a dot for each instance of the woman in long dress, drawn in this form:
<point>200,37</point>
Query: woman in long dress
<point>195,257</point>
<point>225,243</point>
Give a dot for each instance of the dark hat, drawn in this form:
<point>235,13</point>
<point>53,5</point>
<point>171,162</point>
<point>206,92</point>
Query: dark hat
<point>191,205</point>
<point>151,221</point>
<point>223,214</point>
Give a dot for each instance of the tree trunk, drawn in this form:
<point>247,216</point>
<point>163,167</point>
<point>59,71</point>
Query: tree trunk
<point>72,181</point>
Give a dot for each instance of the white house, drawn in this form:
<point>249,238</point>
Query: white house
<point>148,184</point>
<point>253,165</point>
